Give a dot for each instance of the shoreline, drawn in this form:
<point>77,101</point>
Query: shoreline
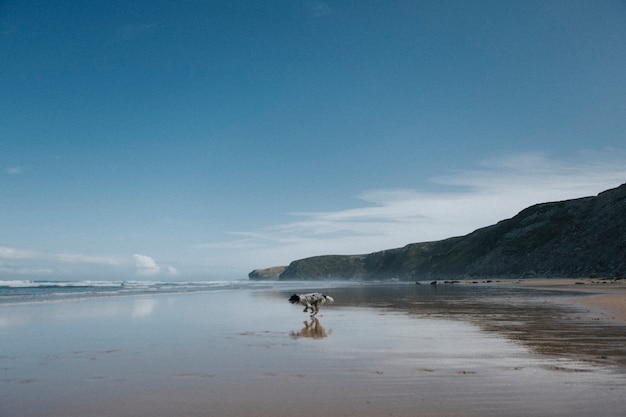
<point>605,295</point>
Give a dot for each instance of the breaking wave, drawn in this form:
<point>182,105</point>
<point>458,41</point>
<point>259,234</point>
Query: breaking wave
<point>33,291</point>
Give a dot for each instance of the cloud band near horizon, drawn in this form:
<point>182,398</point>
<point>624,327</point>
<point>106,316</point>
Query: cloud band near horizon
<point>442,206</point>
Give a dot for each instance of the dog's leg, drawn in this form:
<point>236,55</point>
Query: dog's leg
<point>308,305</point>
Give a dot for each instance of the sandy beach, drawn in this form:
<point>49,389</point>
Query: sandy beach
<point>486,349</point>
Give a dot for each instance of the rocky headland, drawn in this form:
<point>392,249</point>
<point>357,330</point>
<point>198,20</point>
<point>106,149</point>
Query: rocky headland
<point>583,237</point>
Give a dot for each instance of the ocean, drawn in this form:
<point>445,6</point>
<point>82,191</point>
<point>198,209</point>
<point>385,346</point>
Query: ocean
<point>32,291</point>
<point>26,291</point>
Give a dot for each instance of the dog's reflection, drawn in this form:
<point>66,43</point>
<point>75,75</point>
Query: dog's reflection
<point>311,329</point>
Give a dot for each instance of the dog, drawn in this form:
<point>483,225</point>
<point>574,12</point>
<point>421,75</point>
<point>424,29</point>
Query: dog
<point>311,301</point>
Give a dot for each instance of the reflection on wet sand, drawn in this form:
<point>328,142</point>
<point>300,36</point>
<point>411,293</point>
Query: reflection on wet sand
<point>312,329</point>
<point>23,315</point>
<point>542,320</point>
<point>547,332</point>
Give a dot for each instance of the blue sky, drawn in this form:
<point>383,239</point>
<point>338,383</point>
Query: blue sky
<point>202,139</point>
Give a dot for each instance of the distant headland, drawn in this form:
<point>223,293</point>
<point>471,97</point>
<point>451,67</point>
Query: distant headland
<point>583,237</point>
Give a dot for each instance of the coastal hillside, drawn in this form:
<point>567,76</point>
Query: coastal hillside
<point>584,237</point>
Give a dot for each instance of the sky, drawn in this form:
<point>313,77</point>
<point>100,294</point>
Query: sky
<point>199,140</point>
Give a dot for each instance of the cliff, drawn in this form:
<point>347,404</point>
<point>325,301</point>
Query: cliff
<point>584,237</point>
<point>267,273</point>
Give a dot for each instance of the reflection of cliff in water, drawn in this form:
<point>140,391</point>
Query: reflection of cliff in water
<point>540,319</point>
<point>312,329</point>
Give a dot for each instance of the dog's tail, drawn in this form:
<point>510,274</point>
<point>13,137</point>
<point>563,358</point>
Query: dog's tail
<point>328,298</point>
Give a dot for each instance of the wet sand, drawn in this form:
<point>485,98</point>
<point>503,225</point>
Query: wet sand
<point>609,295</point>
<point>401,350</point>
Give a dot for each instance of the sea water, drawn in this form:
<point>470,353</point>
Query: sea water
<point>32,291</point>
<point>29,291</point>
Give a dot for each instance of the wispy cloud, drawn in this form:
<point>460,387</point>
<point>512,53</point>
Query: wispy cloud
<point>86,259</point>
<point>318,8</point>
<point>7,252</point>
<point>146,266</point>
<point>35,263</point>
<point>13,270</point>
<point>19,261</point>
<point>462,202</point>
<point>170,270</point>
<point>15,170</point>
<point>11,253</point>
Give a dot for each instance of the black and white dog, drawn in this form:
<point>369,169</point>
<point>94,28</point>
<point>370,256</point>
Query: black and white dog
<point>311,301</point>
